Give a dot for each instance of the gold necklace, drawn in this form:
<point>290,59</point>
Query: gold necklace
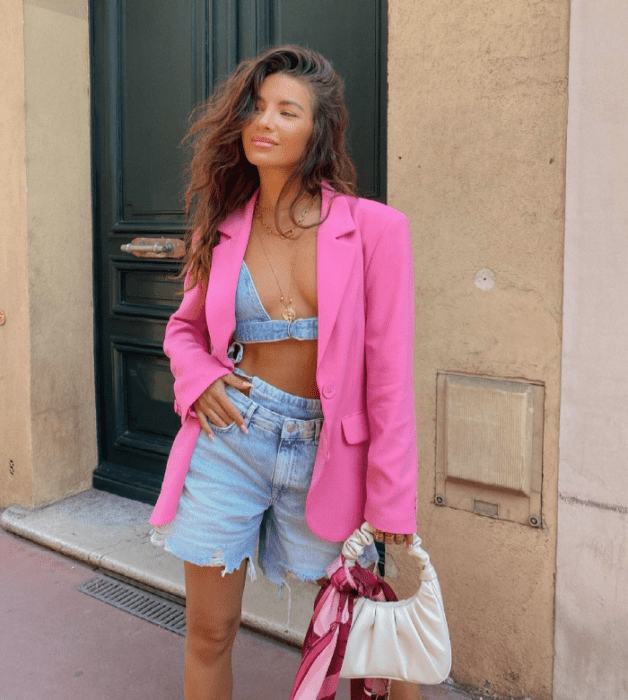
<point>272,232</point>
<point>288,314</point>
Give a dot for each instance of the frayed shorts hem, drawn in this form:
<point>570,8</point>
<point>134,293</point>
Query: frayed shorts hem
<point>160,538</point>
<point>217,559</point>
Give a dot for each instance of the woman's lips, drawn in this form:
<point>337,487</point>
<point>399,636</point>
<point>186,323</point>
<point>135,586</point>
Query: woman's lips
<point>262,142</point>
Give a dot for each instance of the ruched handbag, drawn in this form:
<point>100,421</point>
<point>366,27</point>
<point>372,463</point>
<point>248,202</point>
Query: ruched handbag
<point>406,640</point>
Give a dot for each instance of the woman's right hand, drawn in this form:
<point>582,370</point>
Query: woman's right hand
<point>215,405</point>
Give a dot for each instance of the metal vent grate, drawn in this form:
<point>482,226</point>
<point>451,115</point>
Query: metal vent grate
<point>148,606</point>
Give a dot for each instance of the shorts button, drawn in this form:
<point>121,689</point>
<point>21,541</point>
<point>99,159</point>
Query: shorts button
<point>291,427</point>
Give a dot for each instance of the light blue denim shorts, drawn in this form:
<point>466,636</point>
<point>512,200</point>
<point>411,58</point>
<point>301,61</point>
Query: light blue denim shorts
<point>244,492</point>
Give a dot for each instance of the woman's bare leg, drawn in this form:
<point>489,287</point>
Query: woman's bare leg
<point>402,690</point>
<point>213,609</point>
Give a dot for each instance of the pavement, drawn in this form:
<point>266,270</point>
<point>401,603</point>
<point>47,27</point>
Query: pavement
<point>58,643</point>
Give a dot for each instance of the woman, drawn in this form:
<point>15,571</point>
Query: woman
<point>291,351</point>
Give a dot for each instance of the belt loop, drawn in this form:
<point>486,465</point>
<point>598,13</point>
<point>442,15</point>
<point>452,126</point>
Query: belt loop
<point>317,430</point>
<point>249,413</point>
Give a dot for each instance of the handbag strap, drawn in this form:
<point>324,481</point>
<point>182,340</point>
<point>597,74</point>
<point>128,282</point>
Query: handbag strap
<point>362,537</point>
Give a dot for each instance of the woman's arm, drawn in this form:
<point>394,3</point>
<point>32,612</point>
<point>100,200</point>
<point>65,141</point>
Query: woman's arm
<point>391,481</point>
<point>188,346</point>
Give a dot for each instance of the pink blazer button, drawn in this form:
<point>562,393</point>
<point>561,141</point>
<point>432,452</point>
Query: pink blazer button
<point>328,391</point>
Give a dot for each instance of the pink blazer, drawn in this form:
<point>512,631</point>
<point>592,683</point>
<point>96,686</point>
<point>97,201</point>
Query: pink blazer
<point>366,462</point>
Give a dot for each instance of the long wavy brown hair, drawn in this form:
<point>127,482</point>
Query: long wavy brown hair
<point>221,179</point>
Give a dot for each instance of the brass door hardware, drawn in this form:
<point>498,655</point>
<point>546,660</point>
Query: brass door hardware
<point>155,248</point>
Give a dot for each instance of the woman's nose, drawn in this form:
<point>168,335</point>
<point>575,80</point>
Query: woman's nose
<point>265,118</point>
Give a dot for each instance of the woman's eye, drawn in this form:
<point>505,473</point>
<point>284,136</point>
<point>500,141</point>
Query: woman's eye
<point>288,114</point>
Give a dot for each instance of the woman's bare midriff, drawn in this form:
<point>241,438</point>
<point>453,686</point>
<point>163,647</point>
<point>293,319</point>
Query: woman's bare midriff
<point>289,365</point>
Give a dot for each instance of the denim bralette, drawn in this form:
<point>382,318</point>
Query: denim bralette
<point>254,325</point>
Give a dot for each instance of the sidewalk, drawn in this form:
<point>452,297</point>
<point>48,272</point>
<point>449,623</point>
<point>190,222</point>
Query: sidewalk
<point>58,643</point>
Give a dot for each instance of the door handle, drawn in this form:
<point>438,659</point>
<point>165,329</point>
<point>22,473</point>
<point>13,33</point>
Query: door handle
<point>155,248</point>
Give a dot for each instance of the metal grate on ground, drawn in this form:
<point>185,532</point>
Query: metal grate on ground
<point>148,606</point>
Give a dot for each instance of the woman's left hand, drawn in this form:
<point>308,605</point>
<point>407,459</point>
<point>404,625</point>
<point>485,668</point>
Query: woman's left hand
<point>392,538</point>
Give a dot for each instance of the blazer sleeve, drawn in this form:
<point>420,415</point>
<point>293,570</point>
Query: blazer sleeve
<point>188,346</point>
<point>391,477</point>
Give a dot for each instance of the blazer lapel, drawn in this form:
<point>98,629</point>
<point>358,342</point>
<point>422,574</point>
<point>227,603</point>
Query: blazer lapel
<point>334,262</point>
<point>223,277</point>
<point>334,258</point>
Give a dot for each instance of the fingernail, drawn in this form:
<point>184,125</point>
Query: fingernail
<point>211,436</point>
<point>248,385</point>
<point>244,429</point>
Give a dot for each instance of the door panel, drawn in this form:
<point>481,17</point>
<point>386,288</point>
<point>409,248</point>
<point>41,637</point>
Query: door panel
<point>352,35</point>
<point>152,62</point>
<point>157,88</point>
<point>145,420</point>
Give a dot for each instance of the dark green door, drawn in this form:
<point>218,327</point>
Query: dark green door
<point>152,62</point>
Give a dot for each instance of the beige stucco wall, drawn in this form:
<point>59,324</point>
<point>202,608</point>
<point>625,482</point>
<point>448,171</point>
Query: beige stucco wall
<point>477,128</point>
<point>48,406</point>
<point>15,435</point>
<point>477,131</point>
<point>592,580</point>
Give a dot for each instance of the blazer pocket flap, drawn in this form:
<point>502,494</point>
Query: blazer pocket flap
<point>355,427</point>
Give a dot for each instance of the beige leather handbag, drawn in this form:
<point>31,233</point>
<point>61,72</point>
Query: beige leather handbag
<point>405,640</point>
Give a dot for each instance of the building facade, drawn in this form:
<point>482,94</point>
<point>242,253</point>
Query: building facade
<point>505,133</point>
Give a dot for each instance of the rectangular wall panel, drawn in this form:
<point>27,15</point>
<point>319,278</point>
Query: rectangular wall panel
<point>489,447</point>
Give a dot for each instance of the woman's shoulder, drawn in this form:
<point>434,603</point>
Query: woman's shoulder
<point>372,218</point>
<point>365,211</point>
<point>374,208</point>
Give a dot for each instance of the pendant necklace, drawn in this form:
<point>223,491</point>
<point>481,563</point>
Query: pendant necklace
<point>288,314</point>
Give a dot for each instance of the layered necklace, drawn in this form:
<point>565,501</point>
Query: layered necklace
<point>288,314</point>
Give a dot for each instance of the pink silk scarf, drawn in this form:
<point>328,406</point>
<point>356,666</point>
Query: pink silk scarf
<point>326,638</point>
